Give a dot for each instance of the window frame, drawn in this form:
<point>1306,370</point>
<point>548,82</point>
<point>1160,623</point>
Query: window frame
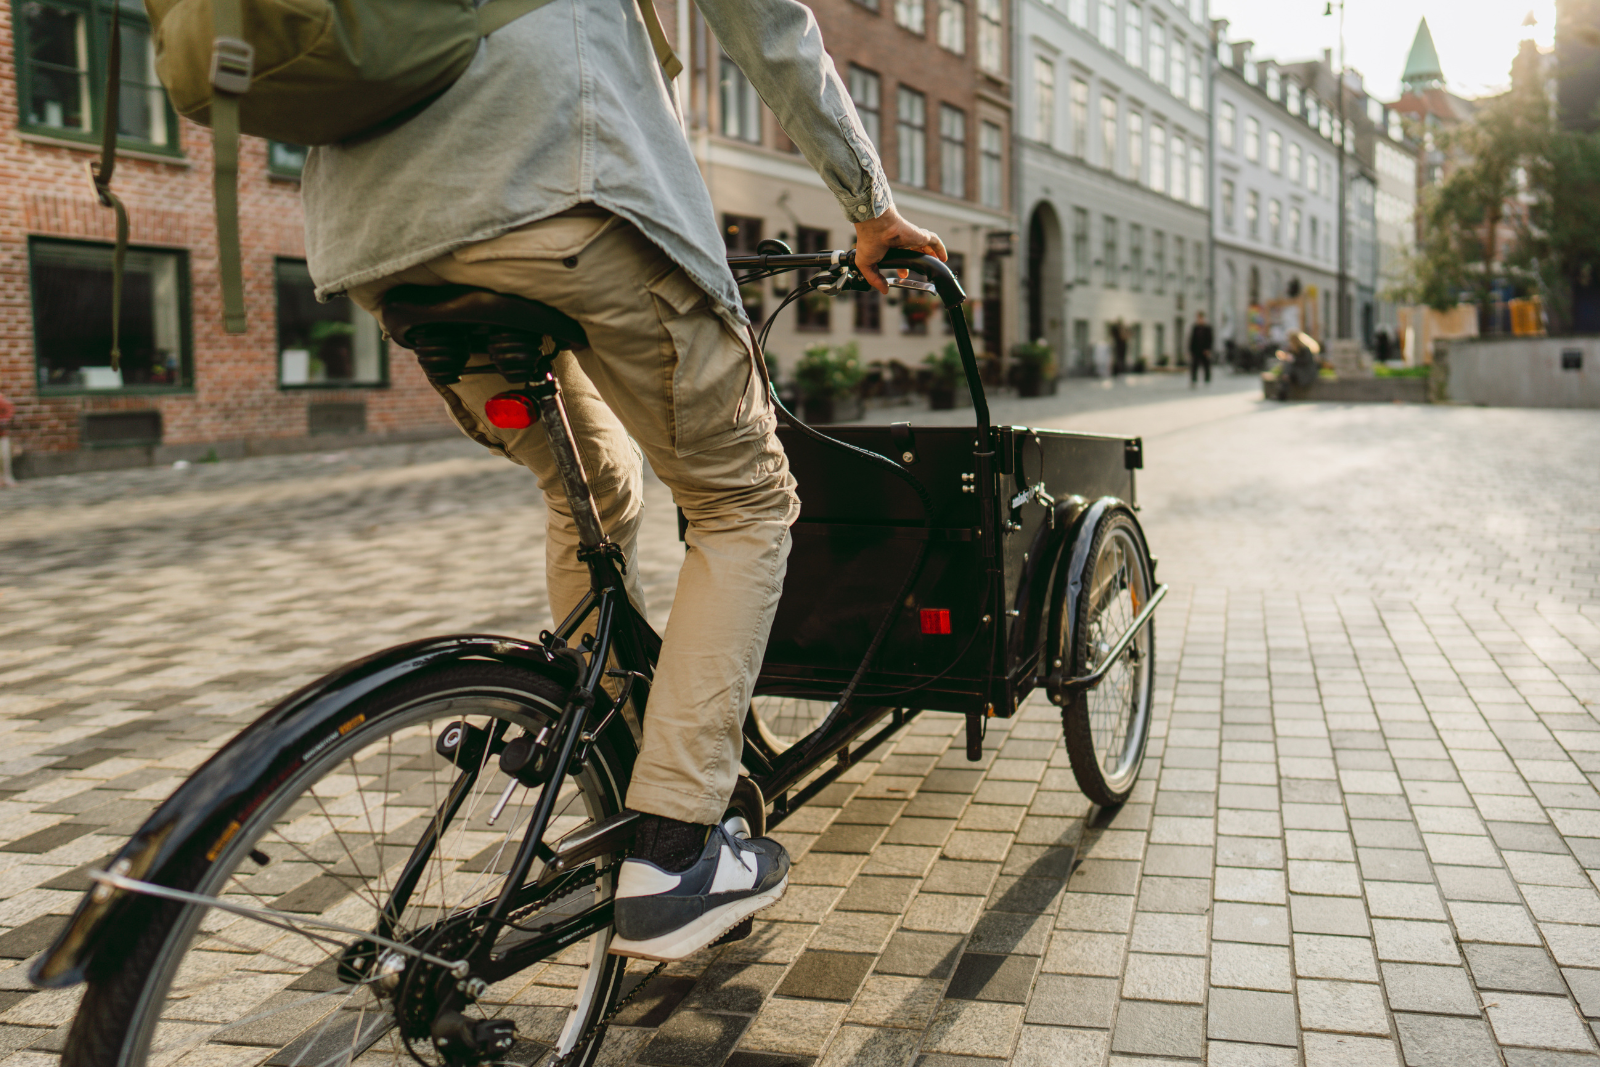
<point>97,51</point>
<point>909,136</point>
<point>382,381</point>
<point>744,95</point>
<point>950,26</point>
<point>912,16</point>
<point>996,160</point>
<point>873,79</point>
<point>951,117</point>
<point>1044,104</point>
<point>185,322</point>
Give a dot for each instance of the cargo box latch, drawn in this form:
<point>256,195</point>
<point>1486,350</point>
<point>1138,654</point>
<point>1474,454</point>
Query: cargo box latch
<point>1133,454</point>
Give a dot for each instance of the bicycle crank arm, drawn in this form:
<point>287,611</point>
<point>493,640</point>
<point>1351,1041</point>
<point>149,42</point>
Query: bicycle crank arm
<point>1086,682</point>
<point>613,834</point>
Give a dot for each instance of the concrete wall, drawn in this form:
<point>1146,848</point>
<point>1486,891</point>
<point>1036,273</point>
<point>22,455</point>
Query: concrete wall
<point>1524,372</point>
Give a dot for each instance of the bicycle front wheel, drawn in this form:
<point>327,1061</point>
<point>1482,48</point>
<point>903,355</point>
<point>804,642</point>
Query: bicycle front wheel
<point>334,842</point>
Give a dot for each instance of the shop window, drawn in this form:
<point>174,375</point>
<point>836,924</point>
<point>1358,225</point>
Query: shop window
<point>741,234</point>
<point>63,47</point>
<point>815,309</point>
<point>869,312</point>
<point>324,345</point>
<point>72,318</point>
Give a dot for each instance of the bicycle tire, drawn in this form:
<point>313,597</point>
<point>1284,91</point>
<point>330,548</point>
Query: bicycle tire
<point>201,977</point>
<point>1108,727</point>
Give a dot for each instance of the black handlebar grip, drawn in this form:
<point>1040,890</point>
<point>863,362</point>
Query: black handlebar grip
<point>949,289</point>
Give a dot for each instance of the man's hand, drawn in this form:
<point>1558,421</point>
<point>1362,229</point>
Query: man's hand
<point>889,230</point>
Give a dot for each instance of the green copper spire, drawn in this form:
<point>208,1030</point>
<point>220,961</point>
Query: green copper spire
<point>1422,65</point>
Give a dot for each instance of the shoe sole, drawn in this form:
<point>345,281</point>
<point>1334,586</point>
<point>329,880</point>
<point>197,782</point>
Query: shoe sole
<point>687,940</point>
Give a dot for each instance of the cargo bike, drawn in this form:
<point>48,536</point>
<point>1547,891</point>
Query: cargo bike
<point>413,857</point>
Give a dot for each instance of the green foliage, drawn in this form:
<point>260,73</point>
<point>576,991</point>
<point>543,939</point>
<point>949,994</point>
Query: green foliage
<point>828,372</point>
<point>1563,241</point>
<point>323,329</point>
<point>944,366</point>
<point>1380,371</point>
<point>1035,354</point>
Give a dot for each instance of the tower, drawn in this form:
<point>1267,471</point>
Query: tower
<point>1423,70</point>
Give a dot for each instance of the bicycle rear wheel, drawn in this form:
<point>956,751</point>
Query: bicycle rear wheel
<point>1108,727</point>
<point>201,986</point>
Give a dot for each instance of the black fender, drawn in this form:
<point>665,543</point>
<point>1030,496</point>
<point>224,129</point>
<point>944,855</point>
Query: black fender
<point>203,813</point>
<point>1070,571</point>
<point>1035,583</point>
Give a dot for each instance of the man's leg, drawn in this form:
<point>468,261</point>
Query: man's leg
<point>1194,368</point>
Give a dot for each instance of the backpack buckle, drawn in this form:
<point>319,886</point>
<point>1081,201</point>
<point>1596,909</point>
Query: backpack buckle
<point>232,62</point>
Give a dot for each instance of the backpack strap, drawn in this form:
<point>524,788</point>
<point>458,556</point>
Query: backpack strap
<point>102,172</point>
<point>232,62</point>
<point>498,13</point>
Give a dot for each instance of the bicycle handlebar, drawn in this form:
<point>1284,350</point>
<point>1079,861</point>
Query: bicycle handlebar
<point>944,282</point>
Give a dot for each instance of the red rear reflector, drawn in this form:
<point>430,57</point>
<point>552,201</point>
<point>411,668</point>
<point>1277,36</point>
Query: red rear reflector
<point>510,411</point>
<point>935,620</point>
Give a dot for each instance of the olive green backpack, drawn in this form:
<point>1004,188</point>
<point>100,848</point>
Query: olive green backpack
<point>306,72</point>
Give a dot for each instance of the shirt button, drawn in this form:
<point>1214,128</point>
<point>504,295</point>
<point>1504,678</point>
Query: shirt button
<point>862,211</point>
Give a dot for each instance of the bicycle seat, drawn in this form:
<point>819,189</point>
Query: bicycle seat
<point>406,307</point>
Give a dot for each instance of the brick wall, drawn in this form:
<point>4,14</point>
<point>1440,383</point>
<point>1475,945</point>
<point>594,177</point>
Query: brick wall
<point>236,397</point>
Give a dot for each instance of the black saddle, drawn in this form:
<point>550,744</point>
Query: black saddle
<point>409,307</point>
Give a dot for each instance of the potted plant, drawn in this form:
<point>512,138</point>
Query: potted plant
<point>944,377</point>
<point>1035,366</point>
<point>828,377</point>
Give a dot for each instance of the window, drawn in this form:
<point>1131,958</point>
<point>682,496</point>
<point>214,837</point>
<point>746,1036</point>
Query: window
<point>285,159</point>
<point>1227,203</point>
<point>1110,253</point>
<point>329,345</point>
<point>1180,168</point>
<point>1135,146</point>
<point>1252,214</point>
<point>741,235</point>
<point>952,26</point>
<point>1252,139</point>
<point>1294,163</point>
<point>1313,171</point>
<point>1227,117</point>
<point>1158,51</point>
<point>1275,151</point>
<point>1135,257</point>
<point>741,107</point>
<point>864,94</point>
<point>1197,87</point>
<point>62,50</point>
<point>72,317</point>
<point>1275,221</point>
<point>870,5</point>
<point>1158,255</point>
<point>1197,178</point>
<point>1133,36</point>
<point>1294,228</point>
<point>909,13</point>
<point>869,312</point>
<point>1080,245</point>
<point>991,165</point>
<point>1078,13</point>
<point>1291,96</point>
<point>1274,84</point>
<point>813,311</point>
<point>1158,159</point>
<point>912,134</point>
<point>952,151</point>
<point>1080,118</point>
<point>1108,131</point>
<point>1106,24</point>
<point>1179,262</point>
<point>1178,67</point>
<point>1044,90</point>
<point>991,37</point>
<point>1315,250</point>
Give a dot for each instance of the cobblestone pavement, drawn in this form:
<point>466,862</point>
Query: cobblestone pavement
<point>1367,833</point>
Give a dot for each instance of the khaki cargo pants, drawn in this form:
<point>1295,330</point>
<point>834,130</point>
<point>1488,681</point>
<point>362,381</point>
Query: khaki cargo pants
<point>664,369</point>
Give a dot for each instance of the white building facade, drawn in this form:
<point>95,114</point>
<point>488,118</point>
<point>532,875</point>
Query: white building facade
<point>1275,201</point>
<point>1112,157</point>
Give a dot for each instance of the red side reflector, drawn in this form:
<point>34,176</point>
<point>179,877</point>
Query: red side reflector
<point>935,620</point>
<point>510,411</point>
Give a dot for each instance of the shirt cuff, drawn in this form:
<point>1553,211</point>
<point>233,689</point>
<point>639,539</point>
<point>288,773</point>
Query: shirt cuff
<point>870,204</point>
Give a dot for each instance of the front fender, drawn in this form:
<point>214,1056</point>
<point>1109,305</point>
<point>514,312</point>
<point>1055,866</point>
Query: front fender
<point>206,809</point>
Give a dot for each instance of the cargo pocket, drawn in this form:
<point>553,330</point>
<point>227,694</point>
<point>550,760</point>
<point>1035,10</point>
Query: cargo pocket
<point>711,372</point>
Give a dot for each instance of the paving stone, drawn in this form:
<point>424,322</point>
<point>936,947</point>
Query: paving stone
<point>1242,966</point>
<point>1105,876</point>
<point>1175,979</point>
<point>1539,1057</point>
<point>920,955</point>
<point>959,876</point>
<point>734,987</point>
<point>49,839</point>
<point>1074,952</point>
<point>850,837</point>
<point>987,976</point>
<point>32,937</point>
<point>1409,941</point>
<point>870,1046</point>
<point>1328,915</point>
<point>1023,896</point>
<point>1424,988</point>
<point>747,1058</point>
<point>1428,1041</point>
<point>1514,968</point>
<point>883,894</point>
<point>974,1028</point>
<point>655,1004</point>
<point>794,1027</point>
<point>1069,1000</point>
<point>1252,1016</point>
<point>1096,911</point>
<point>892,1000</point>
<point>1348,1007</point>
<point>1191,895</point>
<point>1585,986</point>
<point>1231,1054</point>
<point>1541,1022</point>
<point>1152,1029</point>
<point>1053,1046</point>
<point>692,1038</point>
<point>1257,923</point>
<point>1007,933</point>
<point>826,975</point>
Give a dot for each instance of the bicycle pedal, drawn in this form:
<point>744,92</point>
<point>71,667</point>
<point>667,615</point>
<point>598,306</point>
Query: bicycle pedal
<point>738,933</point>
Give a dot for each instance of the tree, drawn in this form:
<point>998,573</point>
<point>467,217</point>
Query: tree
<point>1561,247</point>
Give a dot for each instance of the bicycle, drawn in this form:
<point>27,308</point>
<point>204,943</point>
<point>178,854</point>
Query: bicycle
<point>413,856</point>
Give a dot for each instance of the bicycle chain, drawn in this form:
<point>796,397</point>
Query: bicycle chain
<point>599,1027</point>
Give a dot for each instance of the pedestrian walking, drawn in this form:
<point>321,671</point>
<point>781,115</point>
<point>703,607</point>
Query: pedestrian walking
<point>591,201</point>
<point>1119,348</point>
<point>1200,342</point>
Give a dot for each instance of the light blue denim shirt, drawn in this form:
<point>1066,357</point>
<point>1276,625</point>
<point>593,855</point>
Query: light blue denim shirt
<point>568,105</point>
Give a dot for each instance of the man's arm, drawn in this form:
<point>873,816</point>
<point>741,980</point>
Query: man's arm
<point>778,45</point>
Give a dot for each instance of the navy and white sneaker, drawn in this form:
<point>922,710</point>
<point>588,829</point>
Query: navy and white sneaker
<point>660,915</point>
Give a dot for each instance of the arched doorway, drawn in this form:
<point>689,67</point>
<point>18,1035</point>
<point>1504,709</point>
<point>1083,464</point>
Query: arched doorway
<point>1046,295</point>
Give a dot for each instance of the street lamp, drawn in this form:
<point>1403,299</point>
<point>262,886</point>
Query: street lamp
<point>1341,312</point>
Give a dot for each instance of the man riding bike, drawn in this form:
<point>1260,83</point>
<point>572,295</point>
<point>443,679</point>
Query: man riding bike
<point>556,169</point>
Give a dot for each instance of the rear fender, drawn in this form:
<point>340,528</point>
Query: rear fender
<point>208,808</point>
<point>1034,585</point>
<point>1074,564</point>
